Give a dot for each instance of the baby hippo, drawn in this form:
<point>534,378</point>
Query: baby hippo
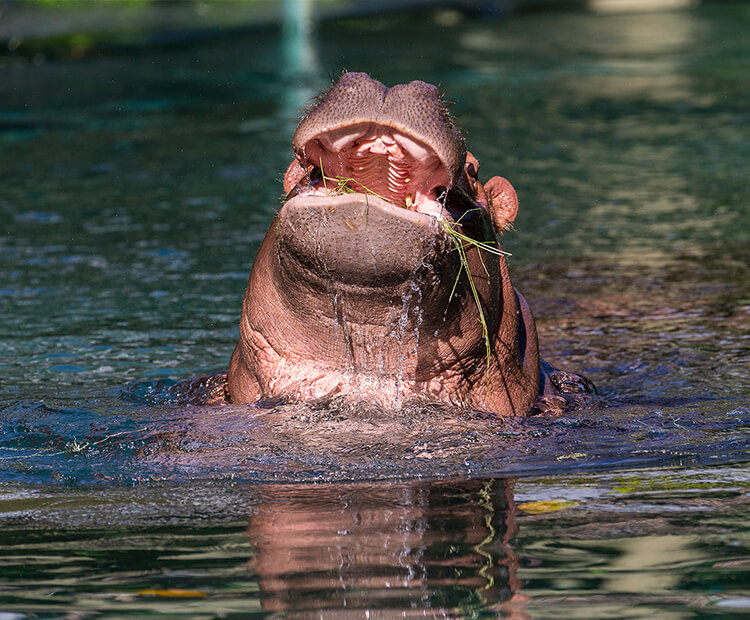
<point>381,278</point>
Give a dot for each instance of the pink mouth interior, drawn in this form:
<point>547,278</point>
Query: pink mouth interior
<point>377,159</point>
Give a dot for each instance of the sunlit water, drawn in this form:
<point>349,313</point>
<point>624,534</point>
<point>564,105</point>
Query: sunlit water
<point>135,190</point>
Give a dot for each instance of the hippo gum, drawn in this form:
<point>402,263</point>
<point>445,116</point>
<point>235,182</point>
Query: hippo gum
<point>363,287</point>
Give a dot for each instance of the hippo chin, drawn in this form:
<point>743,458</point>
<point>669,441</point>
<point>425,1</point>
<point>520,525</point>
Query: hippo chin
<point>367,285</point>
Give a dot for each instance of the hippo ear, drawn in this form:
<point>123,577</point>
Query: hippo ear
<point>502,202</point>
<point>294,173</point>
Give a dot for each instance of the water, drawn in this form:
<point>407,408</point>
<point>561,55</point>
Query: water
<point>135,190</point>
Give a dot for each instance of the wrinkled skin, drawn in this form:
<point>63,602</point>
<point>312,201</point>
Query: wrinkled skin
<point>358,289</point>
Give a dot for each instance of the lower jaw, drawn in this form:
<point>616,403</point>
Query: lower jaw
<point>360,240</point>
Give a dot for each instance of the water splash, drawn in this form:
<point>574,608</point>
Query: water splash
<point>411,306</point>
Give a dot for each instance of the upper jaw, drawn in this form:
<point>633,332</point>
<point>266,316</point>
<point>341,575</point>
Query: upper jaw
<point>415,110</point>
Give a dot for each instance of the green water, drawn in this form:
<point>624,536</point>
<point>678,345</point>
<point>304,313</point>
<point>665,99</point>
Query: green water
<point>135,188</point>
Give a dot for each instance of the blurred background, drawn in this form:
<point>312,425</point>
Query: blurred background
<point>31,19</point>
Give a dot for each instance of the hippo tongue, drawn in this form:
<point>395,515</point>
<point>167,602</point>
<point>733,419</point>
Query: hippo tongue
<point>356,240</point>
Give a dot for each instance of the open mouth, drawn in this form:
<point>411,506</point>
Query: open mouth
<point>380,161</point>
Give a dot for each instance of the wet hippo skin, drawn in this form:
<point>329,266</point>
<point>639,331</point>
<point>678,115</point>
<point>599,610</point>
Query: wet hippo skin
<point>362,286</point>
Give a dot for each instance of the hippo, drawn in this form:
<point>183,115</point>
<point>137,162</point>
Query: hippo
<point>381,278</point>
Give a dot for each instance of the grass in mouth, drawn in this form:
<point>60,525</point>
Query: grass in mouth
<point>340,185</point>
<point>461,241</point>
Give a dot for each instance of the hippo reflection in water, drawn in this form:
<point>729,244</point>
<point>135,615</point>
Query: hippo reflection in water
<point>381,278</point>
<point>440,549</point>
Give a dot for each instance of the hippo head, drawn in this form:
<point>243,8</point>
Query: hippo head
<point>378,183</point>
<point>370,180</point>
<point>381,277</point>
